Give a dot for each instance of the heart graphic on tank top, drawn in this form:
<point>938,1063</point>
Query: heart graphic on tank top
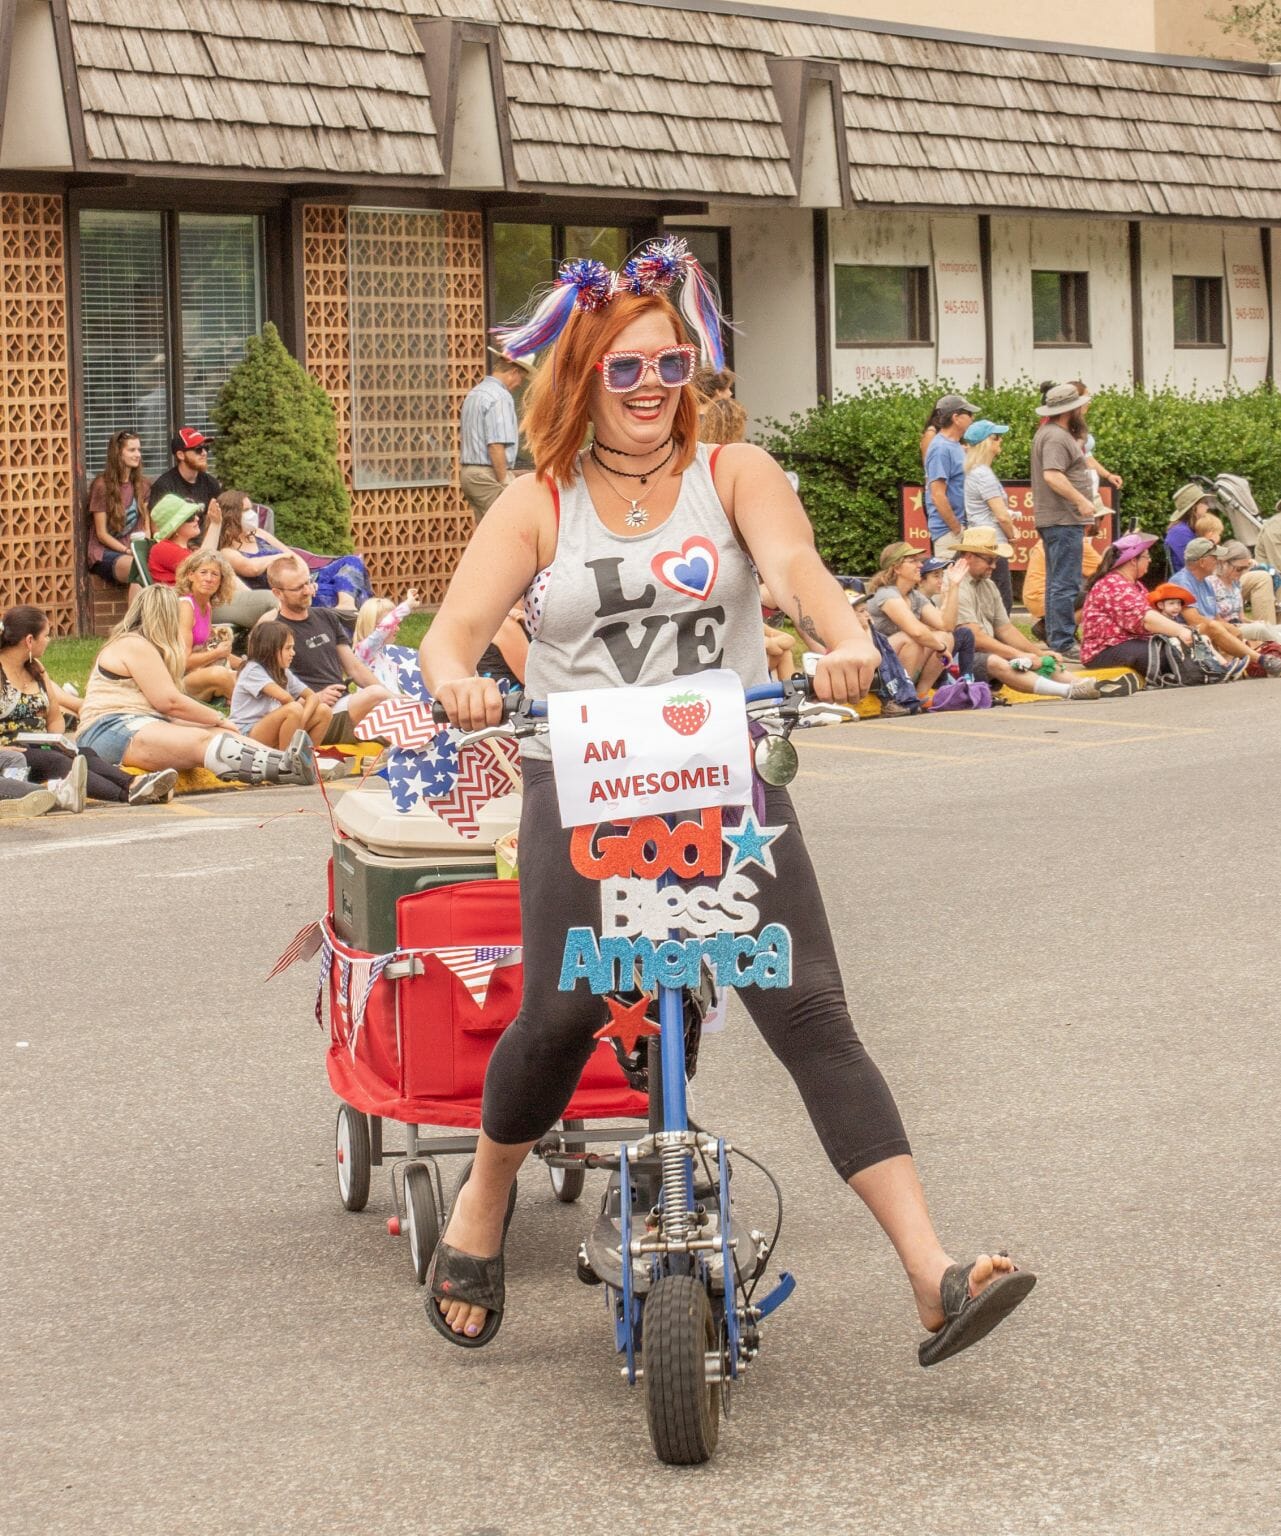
<point>690,569</point>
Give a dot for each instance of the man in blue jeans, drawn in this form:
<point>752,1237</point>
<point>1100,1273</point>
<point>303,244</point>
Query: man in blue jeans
<point>1063,506</point>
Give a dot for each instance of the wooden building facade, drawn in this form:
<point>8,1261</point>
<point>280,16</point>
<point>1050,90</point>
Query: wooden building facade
<point>383,179</point>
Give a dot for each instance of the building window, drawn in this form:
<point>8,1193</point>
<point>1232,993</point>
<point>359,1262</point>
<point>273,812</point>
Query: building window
<point>1060,309</point>
<point>882,306</point>
<point>402,427</point>
<point>526,256</point>
<point>1198,311</point>
<point>152,358</point>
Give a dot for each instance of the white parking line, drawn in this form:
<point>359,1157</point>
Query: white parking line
<point>141,834</point>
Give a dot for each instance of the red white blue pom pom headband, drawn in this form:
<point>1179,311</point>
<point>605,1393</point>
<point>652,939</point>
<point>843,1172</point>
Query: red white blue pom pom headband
<point>589,285</point>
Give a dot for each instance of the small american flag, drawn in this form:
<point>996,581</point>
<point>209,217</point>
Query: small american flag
<point>302,946</point>
<point>400,722</point>
<point>475,964</point>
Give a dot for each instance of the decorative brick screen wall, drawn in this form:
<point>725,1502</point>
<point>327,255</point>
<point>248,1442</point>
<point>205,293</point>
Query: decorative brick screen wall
<point>37,510</point>
<point>414,535</point>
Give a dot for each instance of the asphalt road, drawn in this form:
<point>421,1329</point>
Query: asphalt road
<point>1058,936</point>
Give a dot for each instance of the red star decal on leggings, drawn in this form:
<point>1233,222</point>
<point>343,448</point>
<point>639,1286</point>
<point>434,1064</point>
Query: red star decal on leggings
<point>627,1022</point>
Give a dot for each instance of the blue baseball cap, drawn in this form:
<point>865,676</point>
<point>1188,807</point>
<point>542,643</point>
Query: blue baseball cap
<point>934,563</point>
<point>980,431</point>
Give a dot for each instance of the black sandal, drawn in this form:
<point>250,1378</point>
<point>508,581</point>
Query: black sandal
<point>968,1318</point>
<point>458,1276</point>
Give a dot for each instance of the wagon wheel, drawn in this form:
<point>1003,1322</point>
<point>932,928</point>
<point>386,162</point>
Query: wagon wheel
<point>567,1183</point>
<point>351,1136</point>
<point>422,1218</point>
<point>682,1408</point>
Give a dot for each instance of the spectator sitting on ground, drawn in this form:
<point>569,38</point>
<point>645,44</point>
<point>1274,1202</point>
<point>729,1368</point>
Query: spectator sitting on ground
<point>1234,566</point>
<point>908,620</point>
<point>1034,578</point>
<point>323,657</point>
<point>118,501</point>
<point>945,473</point>
<point>177,525</point>
<point>1118,618</point>
<point>1200,564</point>
<point>985,502</point>
<point>1176,603</point>
<point>30,701</point>
<point>1002,654</point>
<point>136,714</point>
<point>189,477</point>
<point>341,580</point>
<point>1193,509</point>
<point>19,797</point>
<point>204,581</point>
<point>271,703</point>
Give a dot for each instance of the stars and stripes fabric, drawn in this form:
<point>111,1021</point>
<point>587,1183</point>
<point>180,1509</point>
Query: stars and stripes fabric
<point>480,779</point>
<point>396,668</point>
<point>475,964</point>
<point>362,976</point>
<point>422,775</point>
<point>302,946</point>
<point>400,722</point>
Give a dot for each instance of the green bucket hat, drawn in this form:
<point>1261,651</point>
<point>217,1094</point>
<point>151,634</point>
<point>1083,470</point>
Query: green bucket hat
<point>171,512</point>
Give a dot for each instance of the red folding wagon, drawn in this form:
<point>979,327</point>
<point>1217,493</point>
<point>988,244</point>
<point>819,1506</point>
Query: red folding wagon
<point>411,1033</point>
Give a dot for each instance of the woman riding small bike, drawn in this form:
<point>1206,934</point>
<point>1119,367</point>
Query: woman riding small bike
<point>634,557</point>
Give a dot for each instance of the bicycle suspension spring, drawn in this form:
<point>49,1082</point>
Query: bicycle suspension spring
<point>674,1160</point>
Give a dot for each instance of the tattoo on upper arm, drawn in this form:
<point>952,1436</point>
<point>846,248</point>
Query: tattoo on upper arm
<point>806,625</point>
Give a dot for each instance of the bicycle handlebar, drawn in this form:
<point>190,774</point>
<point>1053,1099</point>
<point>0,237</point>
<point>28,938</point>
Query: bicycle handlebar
<point>792,702</point>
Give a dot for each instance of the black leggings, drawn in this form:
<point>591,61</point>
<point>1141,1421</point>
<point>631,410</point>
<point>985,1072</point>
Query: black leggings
<point>1127,653</point>
<point>105,782</point>
<point>539,1058</point>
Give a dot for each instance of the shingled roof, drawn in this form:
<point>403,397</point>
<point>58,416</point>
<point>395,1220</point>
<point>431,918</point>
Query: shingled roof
<point>312,86</point>
<point>628,96</point>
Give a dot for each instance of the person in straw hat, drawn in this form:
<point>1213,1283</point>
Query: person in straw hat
<point>1002,654</point>
<point>1063,506</point>
<point>489,435</point>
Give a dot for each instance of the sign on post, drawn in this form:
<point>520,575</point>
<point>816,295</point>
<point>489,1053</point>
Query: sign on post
<point>915,530</point>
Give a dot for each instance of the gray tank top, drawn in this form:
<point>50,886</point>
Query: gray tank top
<point>640,609</point>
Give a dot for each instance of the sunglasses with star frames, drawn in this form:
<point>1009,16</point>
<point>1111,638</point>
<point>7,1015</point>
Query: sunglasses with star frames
<point>623,371</point>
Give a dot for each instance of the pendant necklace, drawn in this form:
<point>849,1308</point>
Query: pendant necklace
<point>637,516</point>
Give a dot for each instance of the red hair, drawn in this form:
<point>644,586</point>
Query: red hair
<point>556,402</point>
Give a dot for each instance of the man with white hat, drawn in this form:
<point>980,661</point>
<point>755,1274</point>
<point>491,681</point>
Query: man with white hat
<point>1063,507</point>
<point>1002,653</point>
<point>489,434</point>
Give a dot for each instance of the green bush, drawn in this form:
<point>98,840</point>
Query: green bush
<point>853,453</point>
<point>278,441</point>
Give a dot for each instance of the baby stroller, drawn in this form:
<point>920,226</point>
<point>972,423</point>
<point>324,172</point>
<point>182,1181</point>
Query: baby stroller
<point>1260,535</point>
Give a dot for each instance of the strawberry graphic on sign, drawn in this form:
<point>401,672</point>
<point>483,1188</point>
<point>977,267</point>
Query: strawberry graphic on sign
<point>686,713</point>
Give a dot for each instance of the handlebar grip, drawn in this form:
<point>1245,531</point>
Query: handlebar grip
<point>511,703</point>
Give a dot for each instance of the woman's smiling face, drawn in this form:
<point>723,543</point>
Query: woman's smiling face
<point>642,418</point>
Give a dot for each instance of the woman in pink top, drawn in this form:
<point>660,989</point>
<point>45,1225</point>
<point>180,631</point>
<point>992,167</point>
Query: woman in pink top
<point>205,580</point>
<point>1118,618</point>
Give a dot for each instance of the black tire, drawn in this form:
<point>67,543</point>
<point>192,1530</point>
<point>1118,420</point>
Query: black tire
<point>421,1218</point>
<point>683,1410</point>
<point>351,1137</point>
<point>567,1183</point>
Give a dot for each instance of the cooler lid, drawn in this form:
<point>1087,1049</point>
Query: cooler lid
<point>368,815</point>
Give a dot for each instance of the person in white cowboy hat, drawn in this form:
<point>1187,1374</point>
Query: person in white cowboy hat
<point>489,434</point>
<point>1063,507</point>
<point>1002,654</point>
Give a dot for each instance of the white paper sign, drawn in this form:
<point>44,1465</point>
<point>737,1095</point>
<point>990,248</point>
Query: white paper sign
<point>620,753</point>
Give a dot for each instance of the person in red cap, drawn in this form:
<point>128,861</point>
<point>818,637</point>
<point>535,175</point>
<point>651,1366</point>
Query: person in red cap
<point>189,477</point>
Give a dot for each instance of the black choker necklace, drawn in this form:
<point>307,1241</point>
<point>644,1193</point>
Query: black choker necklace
<point>628,474</point>
<point>623,453</point>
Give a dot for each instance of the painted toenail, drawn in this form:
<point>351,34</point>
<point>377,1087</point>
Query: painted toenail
<point>473,1328</point>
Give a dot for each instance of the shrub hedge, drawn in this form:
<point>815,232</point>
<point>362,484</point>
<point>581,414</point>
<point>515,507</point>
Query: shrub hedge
<point>853,453</point>
<point>277,438</point>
